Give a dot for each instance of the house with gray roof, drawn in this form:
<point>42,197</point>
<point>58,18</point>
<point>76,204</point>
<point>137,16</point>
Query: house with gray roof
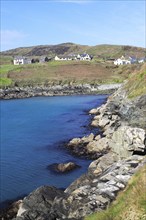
<point>74,57</point>
<point>20,60</point>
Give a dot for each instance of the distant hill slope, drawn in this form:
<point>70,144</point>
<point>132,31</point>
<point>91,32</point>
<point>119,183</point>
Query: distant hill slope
<point>47,50</point>
<point>116,51</point>
<point>103,51</point>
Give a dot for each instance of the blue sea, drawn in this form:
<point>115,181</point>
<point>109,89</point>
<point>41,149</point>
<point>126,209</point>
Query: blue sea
<point>33,131</point>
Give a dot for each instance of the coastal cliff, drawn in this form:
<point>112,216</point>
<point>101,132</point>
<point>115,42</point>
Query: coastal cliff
<point>118,153</point>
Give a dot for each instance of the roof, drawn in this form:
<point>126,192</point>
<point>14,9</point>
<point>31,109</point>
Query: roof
<point>63,56</point>
<point>19,57</point>
<point>84,55</point>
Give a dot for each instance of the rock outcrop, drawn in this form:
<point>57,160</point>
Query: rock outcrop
<point>117,155</point>
<point>91,192</point>
<point>89,146</point>
<point>39,203</point>
<point>124,125</point>
<point>53,90</point>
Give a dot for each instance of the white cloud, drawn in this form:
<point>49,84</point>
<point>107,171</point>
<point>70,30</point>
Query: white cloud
<point>11,38</point>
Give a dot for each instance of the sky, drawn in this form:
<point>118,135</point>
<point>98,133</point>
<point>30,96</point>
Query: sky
<point>87,22</point>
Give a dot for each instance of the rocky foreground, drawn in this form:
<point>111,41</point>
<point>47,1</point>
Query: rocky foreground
<point>66,89</point>
<point>123,144</point>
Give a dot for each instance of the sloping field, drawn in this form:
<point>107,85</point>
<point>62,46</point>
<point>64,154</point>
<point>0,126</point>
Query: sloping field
<point>61,72</point>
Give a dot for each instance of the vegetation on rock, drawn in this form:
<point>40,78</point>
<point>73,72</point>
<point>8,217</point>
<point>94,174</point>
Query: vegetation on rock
<point>130,204</point>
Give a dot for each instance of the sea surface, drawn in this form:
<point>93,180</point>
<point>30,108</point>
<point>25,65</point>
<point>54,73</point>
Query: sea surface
<point>33,131</point>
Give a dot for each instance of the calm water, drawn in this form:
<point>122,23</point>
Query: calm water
<point>31,134</point>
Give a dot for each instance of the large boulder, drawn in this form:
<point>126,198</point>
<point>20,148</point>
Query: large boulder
<point>65,167</point>
<point>94,111</point>
<point>75,142</point>
<point>127,140</point>
<point>98,145</point>
<point>37,205</point>
<point>88,138</point>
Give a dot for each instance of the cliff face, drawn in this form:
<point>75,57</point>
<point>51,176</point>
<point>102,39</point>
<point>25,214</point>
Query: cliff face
<point>123,122</point>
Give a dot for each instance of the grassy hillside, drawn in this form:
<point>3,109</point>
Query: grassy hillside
<point>116,51</point>
<point>47,50</point>
<point>136,84</point>
<point>130,204</point>
<point>99,51</point>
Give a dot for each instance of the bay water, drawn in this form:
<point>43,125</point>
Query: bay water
<point>33,131</point>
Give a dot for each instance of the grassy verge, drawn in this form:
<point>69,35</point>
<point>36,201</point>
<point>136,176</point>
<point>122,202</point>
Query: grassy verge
<point>136,85</point>
<point>130,204</point>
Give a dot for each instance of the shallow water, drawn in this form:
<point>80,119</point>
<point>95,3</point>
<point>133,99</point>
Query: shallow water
<point>32,131</point>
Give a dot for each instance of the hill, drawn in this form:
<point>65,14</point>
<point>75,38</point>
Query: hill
<point>116,51</point>
<point>47,50</point>
<point>99,51</point>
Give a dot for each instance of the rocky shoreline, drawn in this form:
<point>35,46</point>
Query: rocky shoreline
<point>123,144</point>
<point>56,90</point>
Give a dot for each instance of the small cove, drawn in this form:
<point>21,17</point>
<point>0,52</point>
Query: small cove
<point>32,133</point>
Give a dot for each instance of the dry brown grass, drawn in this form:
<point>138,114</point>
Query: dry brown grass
<point>62,72</point>
<point>80,72</point>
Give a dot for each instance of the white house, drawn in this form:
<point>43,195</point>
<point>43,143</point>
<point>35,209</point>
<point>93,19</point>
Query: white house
<point>62,58</point>
<point>74,57</point>
<point>85,57</point>
<point>123,61</point>
<point>118,62</point>
<point>142,60</point>
<point>57,58</point>
<point>78,57</point>
<point>19,60</point>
